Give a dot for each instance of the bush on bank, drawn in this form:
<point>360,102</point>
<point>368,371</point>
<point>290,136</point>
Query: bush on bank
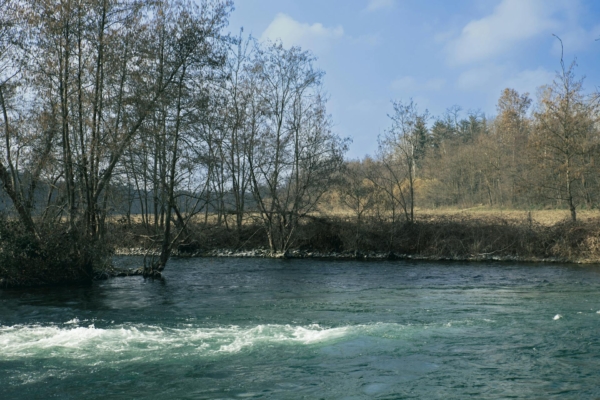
<point>57,256</point>
<point>454,237</point>
<point>61,256</point>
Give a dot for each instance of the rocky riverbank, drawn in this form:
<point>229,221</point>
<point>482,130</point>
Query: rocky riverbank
<point>112,272</point>
<point>348,255</point>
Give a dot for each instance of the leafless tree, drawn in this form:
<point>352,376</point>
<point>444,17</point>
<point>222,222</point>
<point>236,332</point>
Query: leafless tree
<point>296,155</point>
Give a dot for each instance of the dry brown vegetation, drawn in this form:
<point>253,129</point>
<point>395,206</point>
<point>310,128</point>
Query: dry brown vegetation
<point>474,234</point>
<point>542,217</point>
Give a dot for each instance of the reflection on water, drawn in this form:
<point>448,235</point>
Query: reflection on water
<point>244,328</point>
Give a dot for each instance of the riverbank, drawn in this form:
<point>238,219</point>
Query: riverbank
<point>429,237</point>
<point>346,255</point>
<point>316,255</point>
<point>462,238</point>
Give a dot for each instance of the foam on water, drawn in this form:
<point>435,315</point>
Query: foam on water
<point>124,342</point>
<point>242,328</point>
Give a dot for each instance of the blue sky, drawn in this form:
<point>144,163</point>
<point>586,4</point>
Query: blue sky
<point>440,53</point>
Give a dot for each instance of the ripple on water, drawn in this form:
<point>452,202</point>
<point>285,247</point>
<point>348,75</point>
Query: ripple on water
<point>277,329</point>
<point>124,341</point>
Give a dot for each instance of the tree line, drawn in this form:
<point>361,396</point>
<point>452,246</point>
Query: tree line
<point>114,105</point>
<point>542,154</point>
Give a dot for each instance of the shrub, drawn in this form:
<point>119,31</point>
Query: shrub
<point>57,256</point>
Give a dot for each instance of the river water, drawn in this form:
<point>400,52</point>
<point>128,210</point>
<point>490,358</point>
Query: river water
<point>290,329</point>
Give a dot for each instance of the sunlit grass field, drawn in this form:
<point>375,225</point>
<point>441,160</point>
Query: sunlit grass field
<point>542,217</point>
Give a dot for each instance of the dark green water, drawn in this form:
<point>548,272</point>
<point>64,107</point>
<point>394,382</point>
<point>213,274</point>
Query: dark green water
<point>253,328</point>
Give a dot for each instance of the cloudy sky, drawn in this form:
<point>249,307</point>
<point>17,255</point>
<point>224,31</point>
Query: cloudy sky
<point>437,52</point>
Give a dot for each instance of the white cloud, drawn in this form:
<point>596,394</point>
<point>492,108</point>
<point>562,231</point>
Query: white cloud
<point>367,106</point>
<point>481,78</point>
<point>406,83</point>
<point>371,39</point>
<point>494,78</point>
<point>511,23</point>
<point>444,37</point>
<point>488,81</point>
<point>315,37</point>
<point>375,5</point>
<point>529,80</point>
<point>412,86</point>
<point>435,84</point>
<point>576,39</point>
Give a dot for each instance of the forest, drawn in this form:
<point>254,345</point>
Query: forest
<point>138,123</point>
<point>528,156</point>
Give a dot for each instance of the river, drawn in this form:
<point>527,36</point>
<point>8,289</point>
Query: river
<point>219,328</point>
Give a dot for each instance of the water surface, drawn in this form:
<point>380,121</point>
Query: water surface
<point>254,328</point>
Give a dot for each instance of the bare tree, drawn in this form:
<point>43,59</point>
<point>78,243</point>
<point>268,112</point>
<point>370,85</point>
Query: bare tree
<point>296,156</point>
<point>563,136</point>
<point>513,128</point>
<point>401,149</point>
<point>94,76</point>
<point>359,194</point>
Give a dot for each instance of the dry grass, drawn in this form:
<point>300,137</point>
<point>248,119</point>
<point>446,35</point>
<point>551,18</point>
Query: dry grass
<point>542,217</point>
<point>474,233</point>
<point>468,236</point>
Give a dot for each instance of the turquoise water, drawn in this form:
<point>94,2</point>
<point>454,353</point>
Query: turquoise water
<point>291,329</point>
